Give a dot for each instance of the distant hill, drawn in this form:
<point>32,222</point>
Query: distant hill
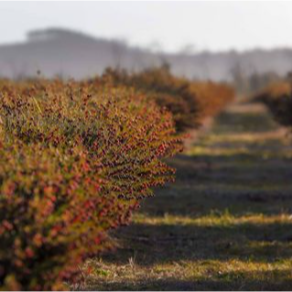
<point>68,53</point>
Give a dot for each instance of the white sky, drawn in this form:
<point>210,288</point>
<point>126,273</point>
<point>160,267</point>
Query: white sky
<point>209,25</point>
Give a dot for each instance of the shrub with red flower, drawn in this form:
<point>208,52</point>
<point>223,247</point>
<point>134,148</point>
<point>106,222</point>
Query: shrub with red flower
<point>75,159</point>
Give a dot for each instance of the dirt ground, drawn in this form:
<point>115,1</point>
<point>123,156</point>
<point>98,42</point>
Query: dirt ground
<point>226,224</point>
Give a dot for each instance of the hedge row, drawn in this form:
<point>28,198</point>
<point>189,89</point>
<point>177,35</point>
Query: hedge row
<point>190,102</point>
<point>74,162</point>
<point>77,157</point>
<point>278,98</point>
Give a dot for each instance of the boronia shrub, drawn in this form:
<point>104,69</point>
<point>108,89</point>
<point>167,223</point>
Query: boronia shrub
<point>75,159</point>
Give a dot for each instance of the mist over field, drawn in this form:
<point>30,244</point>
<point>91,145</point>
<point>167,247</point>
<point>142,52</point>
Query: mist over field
<point>68,53</point>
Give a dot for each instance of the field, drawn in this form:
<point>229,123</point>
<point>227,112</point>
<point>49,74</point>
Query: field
<point>224,225</point>
<point>80,162</point>
<point>145,146</point>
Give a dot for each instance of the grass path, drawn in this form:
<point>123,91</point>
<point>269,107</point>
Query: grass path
<point>225,224</point>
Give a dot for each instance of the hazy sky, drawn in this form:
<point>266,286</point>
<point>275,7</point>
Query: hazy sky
<point>205,25</point>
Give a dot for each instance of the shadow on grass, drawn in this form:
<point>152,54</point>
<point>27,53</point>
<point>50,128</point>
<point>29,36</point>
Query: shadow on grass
<point>161,244</point>
<point>205,183</point>
<point>235,168</point>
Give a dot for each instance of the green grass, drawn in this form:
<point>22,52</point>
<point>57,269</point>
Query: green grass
<point>225,224</point>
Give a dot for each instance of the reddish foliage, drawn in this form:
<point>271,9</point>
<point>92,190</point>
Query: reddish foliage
<point>74,161</point>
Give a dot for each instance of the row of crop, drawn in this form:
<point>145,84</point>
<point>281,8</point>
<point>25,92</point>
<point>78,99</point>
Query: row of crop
<point>73,164</point>
<point>77,157</point>
<point>278,98</point>
<point>190,102</point>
